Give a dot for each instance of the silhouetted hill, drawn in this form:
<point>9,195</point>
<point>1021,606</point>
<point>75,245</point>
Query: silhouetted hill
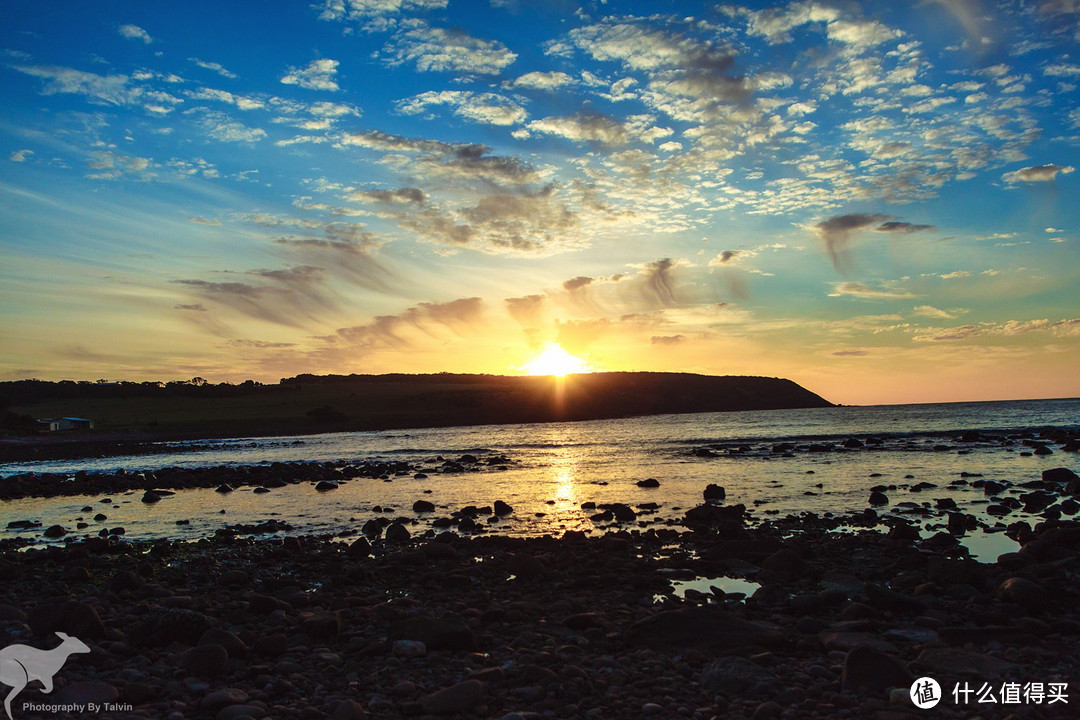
<point>313,403</point>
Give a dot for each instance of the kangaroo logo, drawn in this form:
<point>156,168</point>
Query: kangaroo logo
<point>19,664</point>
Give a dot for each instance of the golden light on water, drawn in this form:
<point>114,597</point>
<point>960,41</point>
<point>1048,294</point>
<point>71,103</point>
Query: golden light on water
<point>553,360</point>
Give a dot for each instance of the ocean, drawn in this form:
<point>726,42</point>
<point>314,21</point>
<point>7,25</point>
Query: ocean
<point>776,462</point>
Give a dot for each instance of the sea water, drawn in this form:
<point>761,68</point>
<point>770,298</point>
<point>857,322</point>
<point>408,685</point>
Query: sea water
<point>553,468</point>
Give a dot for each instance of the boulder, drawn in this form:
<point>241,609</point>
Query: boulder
<point>714,492</point>
<point>872,670</point>
<point>706,629</point>
<point>460,698</point>
<point>423,506</point>
<point>397,533</point>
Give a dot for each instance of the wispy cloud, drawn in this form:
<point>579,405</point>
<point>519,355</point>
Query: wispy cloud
<point>317,75</point>
<point>213,67</point>
<point>433,49</point>
<point>1037,173</point>
<point>869,292</point>
<point>134,32</point>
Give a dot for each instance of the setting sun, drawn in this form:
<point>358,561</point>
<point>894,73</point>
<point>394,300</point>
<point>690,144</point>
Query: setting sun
<point>553,360</point>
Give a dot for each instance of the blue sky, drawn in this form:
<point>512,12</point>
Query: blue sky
<point>876,200</point>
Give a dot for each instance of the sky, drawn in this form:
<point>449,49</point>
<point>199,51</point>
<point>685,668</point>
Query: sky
<point>877,200</point>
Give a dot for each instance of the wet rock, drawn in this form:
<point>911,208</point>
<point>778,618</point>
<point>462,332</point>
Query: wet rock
<point>1060,475</point>
<point>736,676</point>
<point>125,580</point>
<point>161,626</point>
<point>218,699</point>
<point>436,634</point>
<point>423,506</point>
<point>648,483</point>
<point>714,492</point>
<point>322,625</point>
<point>326,485</point>
<point>233,645</point>
<point>1025,593</point>
<point>886,599</point>
<point>69,616</point>
<point>397,533</point>
<point>949,661</point>
<point>359,548</point>
<point>707,629</point>
<point>878,498</point>
<point>205,660</point>
<point>783,566</point>
<point>151,497</point>
<point>460,698</point>
<point>240,712</point>
<point>847,640</point>
<point>224,488</point>
<point>348,710</point>
<point>55,531</point>
<point>868,669</point>
<point>86,691</point>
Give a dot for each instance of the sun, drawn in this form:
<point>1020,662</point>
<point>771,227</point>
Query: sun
<point>553,360</point>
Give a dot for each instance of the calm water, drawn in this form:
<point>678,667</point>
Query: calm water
<point>556,467</point>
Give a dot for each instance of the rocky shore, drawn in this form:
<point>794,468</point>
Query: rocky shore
<point>445,625</point>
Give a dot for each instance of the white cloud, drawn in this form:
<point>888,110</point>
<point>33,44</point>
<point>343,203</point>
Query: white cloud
<point>486,108</point>
<point>584,127</point>
<point>371,9</point>
<point>20,155</point>
<point>439,50</point>
<point>861,34</point>
<point>1039,173</point>
<point>134,32</point>
<point>1062,70</point>
<point>221,127</point>
<point>214,67</point>
<point>543,80</point>
<point>318,75</point>
<point>868,292</point>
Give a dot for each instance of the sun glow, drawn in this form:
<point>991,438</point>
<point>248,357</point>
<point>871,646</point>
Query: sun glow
<point>553,360</point>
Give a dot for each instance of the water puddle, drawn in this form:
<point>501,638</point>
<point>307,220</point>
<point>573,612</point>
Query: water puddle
<point>986,547</point>
<point>736,588</point>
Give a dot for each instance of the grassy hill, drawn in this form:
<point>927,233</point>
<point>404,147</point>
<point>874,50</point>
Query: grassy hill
<point>308,403</point>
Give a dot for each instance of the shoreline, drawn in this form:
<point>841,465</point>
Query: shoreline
<point>496,627</point>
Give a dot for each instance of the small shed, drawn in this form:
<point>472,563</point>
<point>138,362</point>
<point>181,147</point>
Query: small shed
<point>66,423</point>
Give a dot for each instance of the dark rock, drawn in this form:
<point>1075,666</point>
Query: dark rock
<point>205,660</point>
<point>125,580</point>
<point>241,712</point>
<point>397,533</point>
<point>727,519</point>
<point>232,644</point>
<point>886,599</point>
<point>1025,593</point>
<point>151,497</point>
<point>359,548</point>
<point>270,646</point>
<point>322,625</point>
<point>714,492</point>
<point>372,528</point>
<point>460,698</point>
<point>55,531</point>
<point>348,710</point>
<point>868,669</point>
<point>736,676</point>
<point>325,485</point>
<point>783,566</point>
<point>86,691</point>
<point>436,634</point>
<point>423,506</point>
<point>951,662</point>
<point>648,483</point>
<point>69,616</point>
<point>1060,475</point>
<point>707,629</point>
<point>218,699</point>
<point>162,626</point>
<point>224,488</point>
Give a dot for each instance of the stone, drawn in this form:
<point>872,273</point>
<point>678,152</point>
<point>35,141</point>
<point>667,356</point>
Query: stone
<point>224,488</point>
<point>714,492</point>
<point>423,506</point>
<point>707,629</point>
<point>326,485</point>
<point>783,565</point>
<point>868,669</point>
<point>348,710</point>
<point>460,698</point>
<point>408,648</point>
<point>1060,475</point>
<point>736,676</point>
<point>55,531</point>
<point>238,712</point>
<point>359,548</point>
<point>397,533</point>
<point>69,616</point>
<point>949,661</point>
<point>886,599</point>
<point>218,699</point>
<point>436,634</point>
<point>502,508</point>
<point>228,640</point>
<point>150,497</point>
<point>850,639</point>
<point>878,498</point>
<point>125,580</point>
<point>161,626</point>
<point>322,625</point>
<point>648,483</point>
<point>205,660</point>
<point>86,691</point>
<point>1024,592</point>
